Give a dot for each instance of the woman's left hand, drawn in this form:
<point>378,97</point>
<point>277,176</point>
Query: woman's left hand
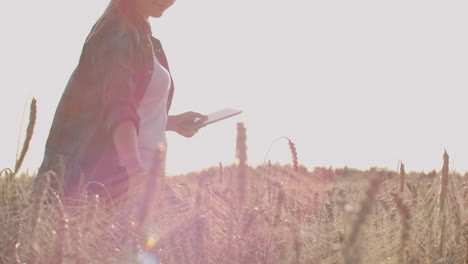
<point>185,124</point>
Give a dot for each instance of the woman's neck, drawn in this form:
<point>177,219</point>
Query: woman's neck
<point>139,19</point>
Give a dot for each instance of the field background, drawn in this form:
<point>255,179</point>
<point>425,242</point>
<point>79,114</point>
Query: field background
<point>240,214</point>
<point>362,83</point>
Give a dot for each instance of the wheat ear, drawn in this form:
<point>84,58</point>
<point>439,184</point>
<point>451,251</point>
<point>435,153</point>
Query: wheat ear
<point>292,148</point>
<point>444,182</point>
<point>241,155</point>
<point>221,172</point>
<point>402,178</point>
<point>29,133</point>
<point>442,195</point>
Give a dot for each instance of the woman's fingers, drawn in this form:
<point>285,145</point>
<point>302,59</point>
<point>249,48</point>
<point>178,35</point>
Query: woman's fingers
<point>186,124</point>
<point>193,117</point>
<point>199,118</point>
<point>200,115</point>
<point>188,131</point>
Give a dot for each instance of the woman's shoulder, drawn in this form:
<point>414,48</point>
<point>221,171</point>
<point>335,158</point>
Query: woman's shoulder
<point>112,42</point>
<point>113,35</point>
<point>113,32</point>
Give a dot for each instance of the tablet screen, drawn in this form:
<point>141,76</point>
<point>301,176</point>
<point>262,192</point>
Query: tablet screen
<point>219,115</point>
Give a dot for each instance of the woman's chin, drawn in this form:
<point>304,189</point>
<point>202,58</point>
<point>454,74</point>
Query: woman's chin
<point>157,14</point>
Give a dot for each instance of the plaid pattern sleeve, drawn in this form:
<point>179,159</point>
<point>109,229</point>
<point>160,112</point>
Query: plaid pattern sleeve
<point>104,90</point>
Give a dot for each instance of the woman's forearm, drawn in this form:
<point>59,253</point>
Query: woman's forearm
<point>126,143</point>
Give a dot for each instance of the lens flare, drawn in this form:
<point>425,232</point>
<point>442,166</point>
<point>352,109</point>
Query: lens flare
<point>146,258</point>
<point>150,242</point>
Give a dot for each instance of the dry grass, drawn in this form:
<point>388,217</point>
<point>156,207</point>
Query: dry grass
<point>240,214</point>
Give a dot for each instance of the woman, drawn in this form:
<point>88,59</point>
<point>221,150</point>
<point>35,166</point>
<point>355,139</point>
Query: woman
<point>113,113</point>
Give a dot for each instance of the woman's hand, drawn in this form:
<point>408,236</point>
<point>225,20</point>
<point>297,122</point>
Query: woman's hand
<point>185,124</point>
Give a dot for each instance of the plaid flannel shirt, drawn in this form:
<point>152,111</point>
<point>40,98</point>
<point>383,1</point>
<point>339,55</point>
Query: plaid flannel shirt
<point>105,89</point>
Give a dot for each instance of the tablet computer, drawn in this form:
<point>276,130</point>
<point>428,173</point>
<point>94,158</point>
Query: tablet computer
<point>218,116</point>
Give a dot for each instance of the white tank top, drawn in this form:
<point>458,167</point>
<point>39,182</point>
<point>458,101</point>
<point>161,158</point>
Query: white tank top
<point>153,115</point>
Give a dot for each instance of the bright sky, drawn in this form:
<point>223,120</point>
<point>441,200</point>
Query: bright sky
<point>360,83</point>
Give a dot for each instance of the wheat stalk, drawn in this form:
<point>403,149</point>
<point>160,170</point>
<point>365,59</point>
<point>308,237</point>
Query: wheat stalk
<point>38,197</point>
<point>6,171</point>
<point>29,133</point>
<point>15,212</point>
<point>58,166</point>
<point>279,206</point>
<point>152,188</point>
<point>442,195</point>
<point>292,148</point>
<point>20,130</point>
<point>241,155</point>
<point>221,172</point>
<point>15,253</point>
<point>199,193</point>
<point>297,243</point>
<point>402,178</point>
<point>405,227</point>
<point>91,214</point>
<point>61,233</point>
<point>351,257</point>
<point>443,182</point>
<point>249,217</point>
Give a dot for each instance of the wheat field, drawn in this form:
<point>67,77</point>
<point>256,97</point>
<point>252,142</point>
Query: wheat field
<point>237,213</point>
